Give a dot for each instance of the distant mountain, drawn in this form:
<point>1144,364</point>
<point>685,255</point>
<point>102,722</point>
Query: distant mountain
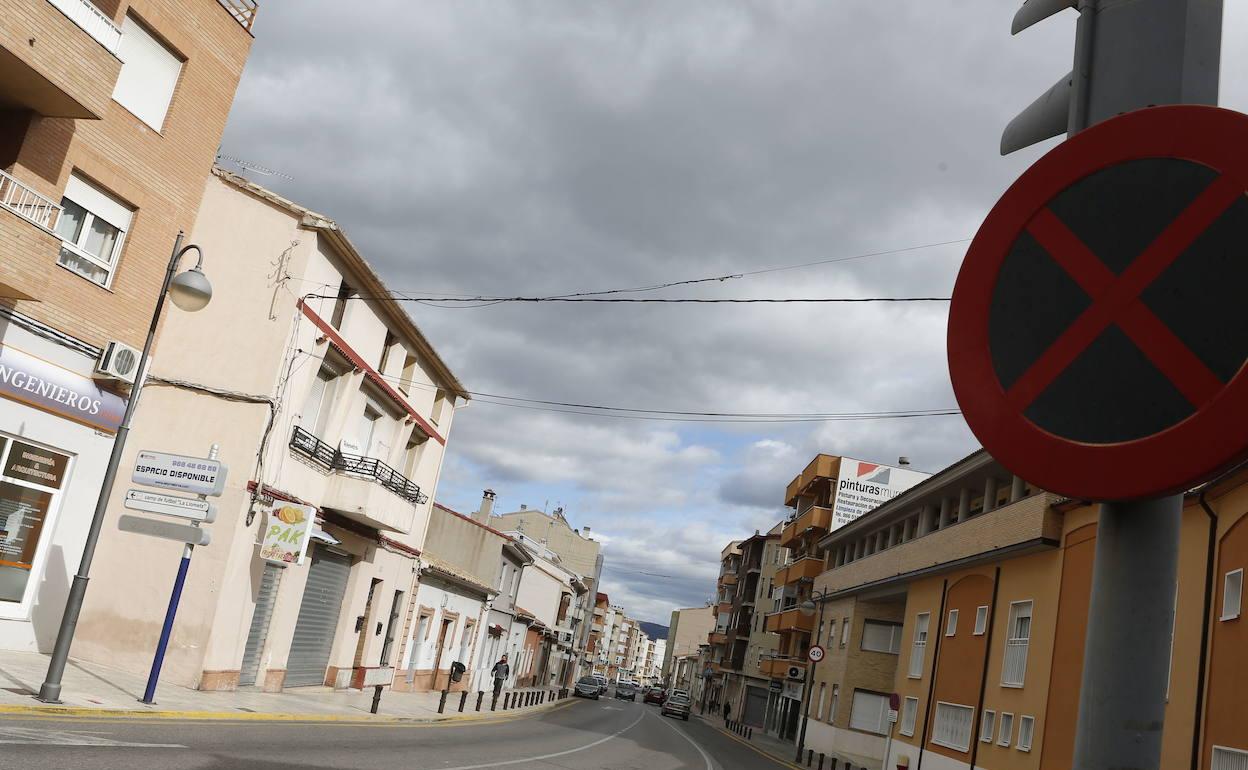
<point>653,630</point>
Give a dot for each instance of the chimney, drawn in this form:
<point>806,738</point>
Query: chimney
<point>586,531</point>
<point>903,461</point>
<point>487,507</point>
<point>524,507</point>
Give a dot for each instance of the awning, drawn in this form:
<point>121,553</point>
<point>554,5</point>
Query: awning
<point>320,534</point>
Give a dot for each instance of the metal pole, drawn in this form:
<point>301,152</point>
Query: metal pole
<point>1126,660</point>
<point>158,659</point>
<point>810,686</point>
<point>50,691</point>
<point>376,699</point>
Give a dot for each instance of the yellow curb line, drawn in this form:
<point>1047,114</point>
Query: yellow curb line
<point>113,714</point>
<point>754,748</point>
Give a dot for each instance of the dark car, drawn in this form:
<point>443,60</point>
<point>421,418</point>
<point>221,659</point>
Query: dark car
<point>655,695</point>
<point>586,687</point>
<point>677,704</point>
<point>625,691</point>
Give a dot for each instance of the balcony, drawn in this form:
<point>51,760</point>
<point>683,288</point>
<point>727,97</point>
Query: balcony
<point>724,608</point>
<point>27,244</point>
<point>790,620</point>
<point>243,11</point>
<point>806,568</point>
<point>57,57</point>
<point>728,579</point>
<point>364,488</point>
<point>822,467</point>
<point>717,637</point>
<point>778,668</point>
<point>816,517</point>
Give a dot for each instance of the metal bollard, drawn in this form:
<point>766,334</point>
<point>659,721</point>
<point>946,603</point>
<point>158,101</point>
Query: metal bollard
<point>810,756</point>
<point>376,699</point>
<point>506,700</point>
<point>442,702</point>
<point>480,697</point>
<point>749,734</point>
<point>463,699</point>
<point>821,760</point>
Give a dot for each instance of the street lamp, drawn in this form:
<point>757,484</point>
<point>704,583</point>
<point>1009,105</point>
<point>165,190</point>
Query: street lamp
<point>190,291</point>
<point>807,608</point>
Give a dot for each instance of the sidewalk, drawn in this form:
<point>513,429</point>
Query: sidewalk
<point>780,751</point>
<point>94,689</point>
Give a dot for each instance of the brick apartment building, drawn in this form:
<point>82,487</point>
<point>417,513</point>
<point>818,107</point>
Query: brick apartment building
<point>113,112</point>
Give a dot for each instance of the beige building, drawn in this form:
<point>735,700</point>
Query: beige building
<point>686,633</point>
<point>313,397</point>
<point>113,111</point>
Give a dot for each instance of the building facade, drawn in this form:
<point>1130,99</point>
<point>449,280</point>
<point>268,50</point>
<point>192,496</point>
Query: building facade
<point>113,114</point>
<point>333,402</point>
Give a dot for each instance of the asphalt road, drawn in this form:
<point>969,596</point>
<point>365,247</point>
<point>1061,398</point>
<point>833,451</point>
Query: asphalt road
<point>577,735</point>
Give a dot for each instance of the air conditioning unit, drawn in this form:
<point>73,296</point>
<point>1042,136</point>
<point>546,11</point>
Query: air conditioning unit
<point>118,362</point>
<point>797,672</point>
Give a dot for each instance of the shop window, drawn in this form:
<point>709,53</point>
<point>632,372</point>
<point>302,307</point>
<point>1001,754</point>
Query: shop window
<point>149,74</point>
<point>29,491</point>
<point>92,228</point>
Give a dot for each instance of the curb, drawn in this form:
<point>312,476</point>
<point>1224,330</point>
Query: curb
<point>751,746</point>
<point>234,716</point>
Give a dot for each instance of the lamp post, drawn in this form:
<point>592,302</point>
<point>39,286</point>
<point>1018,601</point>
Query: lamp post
<point>807,608</point>
<point>190,291</point>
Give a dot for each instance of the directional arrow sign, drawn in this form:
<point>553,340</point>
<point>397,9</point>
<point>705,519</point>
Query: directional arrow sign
<point>171,505</point>
<point>167,530</point>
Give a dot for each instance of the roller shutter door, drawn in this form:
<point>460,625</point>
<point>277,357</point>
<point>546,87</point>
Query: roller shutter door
<point>318,619</point>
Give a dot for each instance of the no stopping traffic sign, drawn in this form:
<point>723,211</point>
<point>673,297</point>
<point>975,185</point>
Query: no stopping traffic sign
<point>1096,343</point>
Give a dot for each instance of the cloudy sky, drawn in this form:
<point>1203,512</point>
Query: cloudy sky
<point>511,147</point>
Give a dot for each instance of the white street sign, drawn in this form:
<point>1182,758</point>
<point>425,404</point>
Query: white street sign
<point>197,475</point>
<point>167,530</point>
<point>171,505</point>
<point>815,653</point>
<point>892,715</point>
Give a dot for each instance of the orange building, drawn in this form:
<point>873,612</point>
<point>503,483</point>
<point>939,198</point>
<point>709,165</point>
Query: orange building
<point>992,578</point>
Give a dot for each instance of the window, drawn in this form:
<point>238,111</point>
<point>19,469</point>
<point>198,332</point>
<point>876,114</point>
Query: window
<point>319,403</point>
<point>952,726</point>
<point>869,712</point>
<point>1026,730</point>
<point>836,695</point>
<point>909,713</point>
<point>345,292</point>
<point>987,725</point>
<point>92,229</point>
<point>819,635</point>
<point>951,628</point>
<point>981,620</point>
<point>386,347</point>
<point>831,631</point>
<point>1007,729</point>
<point>1229,759</point>
<point>879,636</point>
<point>919,647</point>
<point>29,492</point>
<point>1232,594</point>
<point>844,631</point>
<point>1014,668</point>
<point>149,73</point>
<point>368,429</point>
<point>819,708</point>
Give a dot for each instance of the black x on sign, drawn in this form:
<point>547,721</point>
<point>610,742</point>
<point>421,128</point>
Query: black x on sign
<point>1096,336</point>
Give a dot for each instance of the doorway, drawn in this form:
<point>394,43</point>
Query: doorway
<point>313,639</point>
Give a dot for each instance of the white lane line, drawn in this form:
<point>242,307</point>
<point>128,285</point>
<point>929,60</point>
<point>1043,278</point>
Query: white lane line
<point>705,757</point>
<point>598,742</point>
<point>24,736</point>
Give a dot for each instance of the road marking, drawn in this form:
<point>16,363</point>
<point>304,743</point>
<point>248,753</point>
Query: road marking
<point>26,736</point>
<point>598,742</point>
<point>705,757</point>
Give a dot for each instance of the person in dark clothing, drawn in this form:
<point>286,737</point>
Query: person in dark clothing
<point>727,710</point>
<point>500,672</point>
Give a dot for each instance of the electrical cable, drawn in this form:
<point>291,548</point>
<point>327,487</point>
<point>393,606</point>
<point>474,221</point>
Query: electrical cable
<point>488,301</point>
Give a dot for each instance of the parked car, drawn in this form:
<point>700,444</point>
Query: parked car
<point>602,683</point>
<point>677,704</point>
<point>587,687</point>
<point>625,691</point>
<point>655,695</point>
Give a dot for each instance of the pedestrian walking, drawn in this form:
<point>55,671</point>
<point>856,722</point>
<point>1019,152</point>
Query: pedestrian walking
<point>500,672</point>
<point>727,710</point>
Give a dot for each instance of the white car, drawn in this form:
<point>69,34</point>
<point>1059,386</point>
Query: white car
<point>602,683</point>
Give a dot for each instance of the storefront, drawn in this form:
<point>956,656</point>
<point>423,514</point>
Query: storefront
<point>56,433</point>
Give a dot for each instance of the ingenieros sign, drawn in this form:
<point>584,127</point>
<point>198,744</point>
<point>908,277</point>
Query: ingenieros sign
<point>862,486</point>
<point>55,389</point>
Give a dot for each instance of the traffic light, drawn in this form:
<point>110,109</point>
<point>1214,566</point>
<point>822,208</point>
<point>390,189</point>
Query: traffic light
<point>1128,55</point>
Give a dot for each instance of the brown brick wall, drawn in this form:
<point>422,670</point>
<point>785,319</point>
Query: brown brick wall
<point>161,174</point>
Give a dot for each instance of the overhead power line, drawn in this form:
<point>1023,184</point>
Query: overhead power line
<point>652,300</point>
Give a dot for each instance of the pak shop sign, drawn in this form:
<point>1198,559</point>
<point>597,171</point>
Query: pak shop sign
<point>287,533</point>
<point>44,385</point>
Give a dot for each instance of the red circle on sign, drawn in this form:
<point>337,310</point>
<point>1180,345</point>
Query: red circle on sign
<point>815,653</point>
<point>1213,438</point>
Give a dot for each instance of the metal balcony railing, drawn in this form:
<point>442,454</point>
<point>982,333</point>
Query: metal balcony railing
<point>93,21</point>
<point>28,204</point>
<point>330,458</point>
<point>243,11</point>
